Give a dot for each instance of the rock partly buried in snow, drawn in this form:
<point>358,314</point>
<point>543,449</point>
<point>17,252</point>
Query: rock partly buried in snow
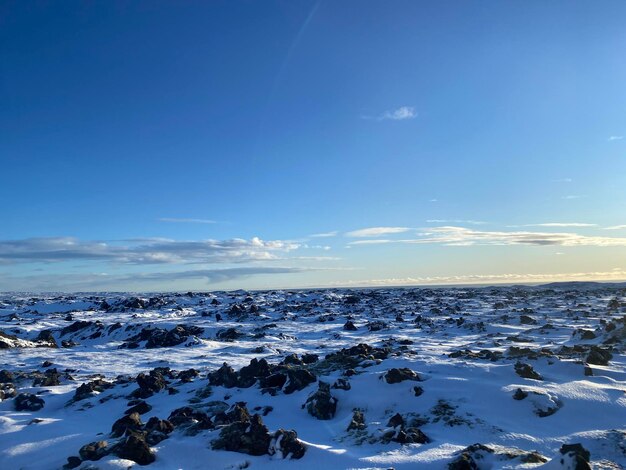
<point>129,422</point>
<point>575,457</point>
<point>28,402</point>
<point>248,437</point>
<point>7,390</point>
<point>11,341</point>
<point>6,376</point>
<point>90,389</point>
<point>403,434</point>
<point>599,356</point>
<point>519,394</point>
<point>394,376</point>
<point>138,406</point>
<point>135,448</point>
<point>526,371</point>
<point>50,378</point>
<point>358,421</point>
<point>298,379</point>
<point>349,326</point>
<point>94,450</point>
<point>257,369</point>
<point>479,456</point>
<point>321,404</point>
<point>287,443</point>
<point>149,384</point>
<point>225,376</point>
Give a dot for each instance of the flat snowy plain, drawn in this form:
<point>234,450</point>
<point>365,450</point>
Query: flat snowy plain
<point>520,370</point>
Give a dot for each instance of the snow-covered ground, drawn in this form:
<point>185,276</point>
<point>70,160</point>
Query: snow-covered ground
<point>519,370</point>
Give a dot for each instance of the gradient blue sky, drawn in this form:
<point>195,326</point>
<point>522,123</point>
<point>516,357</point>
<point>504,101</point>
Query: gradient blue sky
<point>201,145</point>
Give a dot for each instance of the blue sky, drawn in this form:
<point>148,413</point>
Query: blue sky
<point>202,145</point>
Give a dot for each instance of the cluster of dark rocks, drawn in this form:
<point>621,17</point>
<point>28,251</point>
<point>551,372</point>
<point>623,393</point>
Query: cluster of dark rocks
<point>162,338</point>
<point>247,434</point>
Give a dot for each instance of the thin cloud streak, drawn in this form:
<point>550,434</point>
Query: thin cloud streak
<point>147,251</point>
<point>557,224</point>
<point>186,221</point>
<point>376,231</point>
<point>456,221</point>
<point>400,114</point>
<point>461,236</point>
<point>509,278</point>
<point>325,234</point>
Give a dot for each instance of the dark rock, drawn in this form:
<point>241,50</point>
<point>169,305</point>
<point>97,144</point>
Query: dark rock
<point>157,430</point>
<point>352,299</point>
<point>310,358</point>
<point>89,389</point>
<point>141,407</point>
<point>376,325</point>
<point>526,371</point>
<point>342,384</point>
<point>225,376</point>
<point>257,369</point>
<point>7,390</point>
<point>150,384</point>
<point>72,462</point>
<point>94,450</point>
<point>519,394</point>
<point>134,448</point>
<point>248,437</point>
<point>28,402</point>
<point>47,339</point>
<point>76,326</point>
<point>526,320</point>
<point>394,376</point>
<point>349,326</point>
<point>287,443</point>
<point>411,436</point>
<point>129,422</point>
<point>321,404</point>
<point>274,381</point>
<point>50,378</point>
<point>292,359</point>
<point>187,416</point>
<point>599,356</point>
<point>186,376</point>
<point>395,420</point>
<point>161,425</point>
<point>358,421</point>
<point>6,376</point>
<point>298,379</point>
<point>579,454</point>
<point>418,391</point>
<point>229,334</point>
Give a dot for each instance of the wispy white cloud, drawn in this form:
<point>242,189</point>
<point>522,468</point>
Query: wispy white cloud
<point>556,224</point>
<point>324,234</point>
<point>461,236</point>
<point>563,180</point>
<point>572,196</point>
<point>400,114</point>
<point>186,221</point>
<point>145,251</point>
<point>509,278</point>
<point>376,231</point>
<point>455,221</point>
<point>615,227</point>
<point>615,137</point>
